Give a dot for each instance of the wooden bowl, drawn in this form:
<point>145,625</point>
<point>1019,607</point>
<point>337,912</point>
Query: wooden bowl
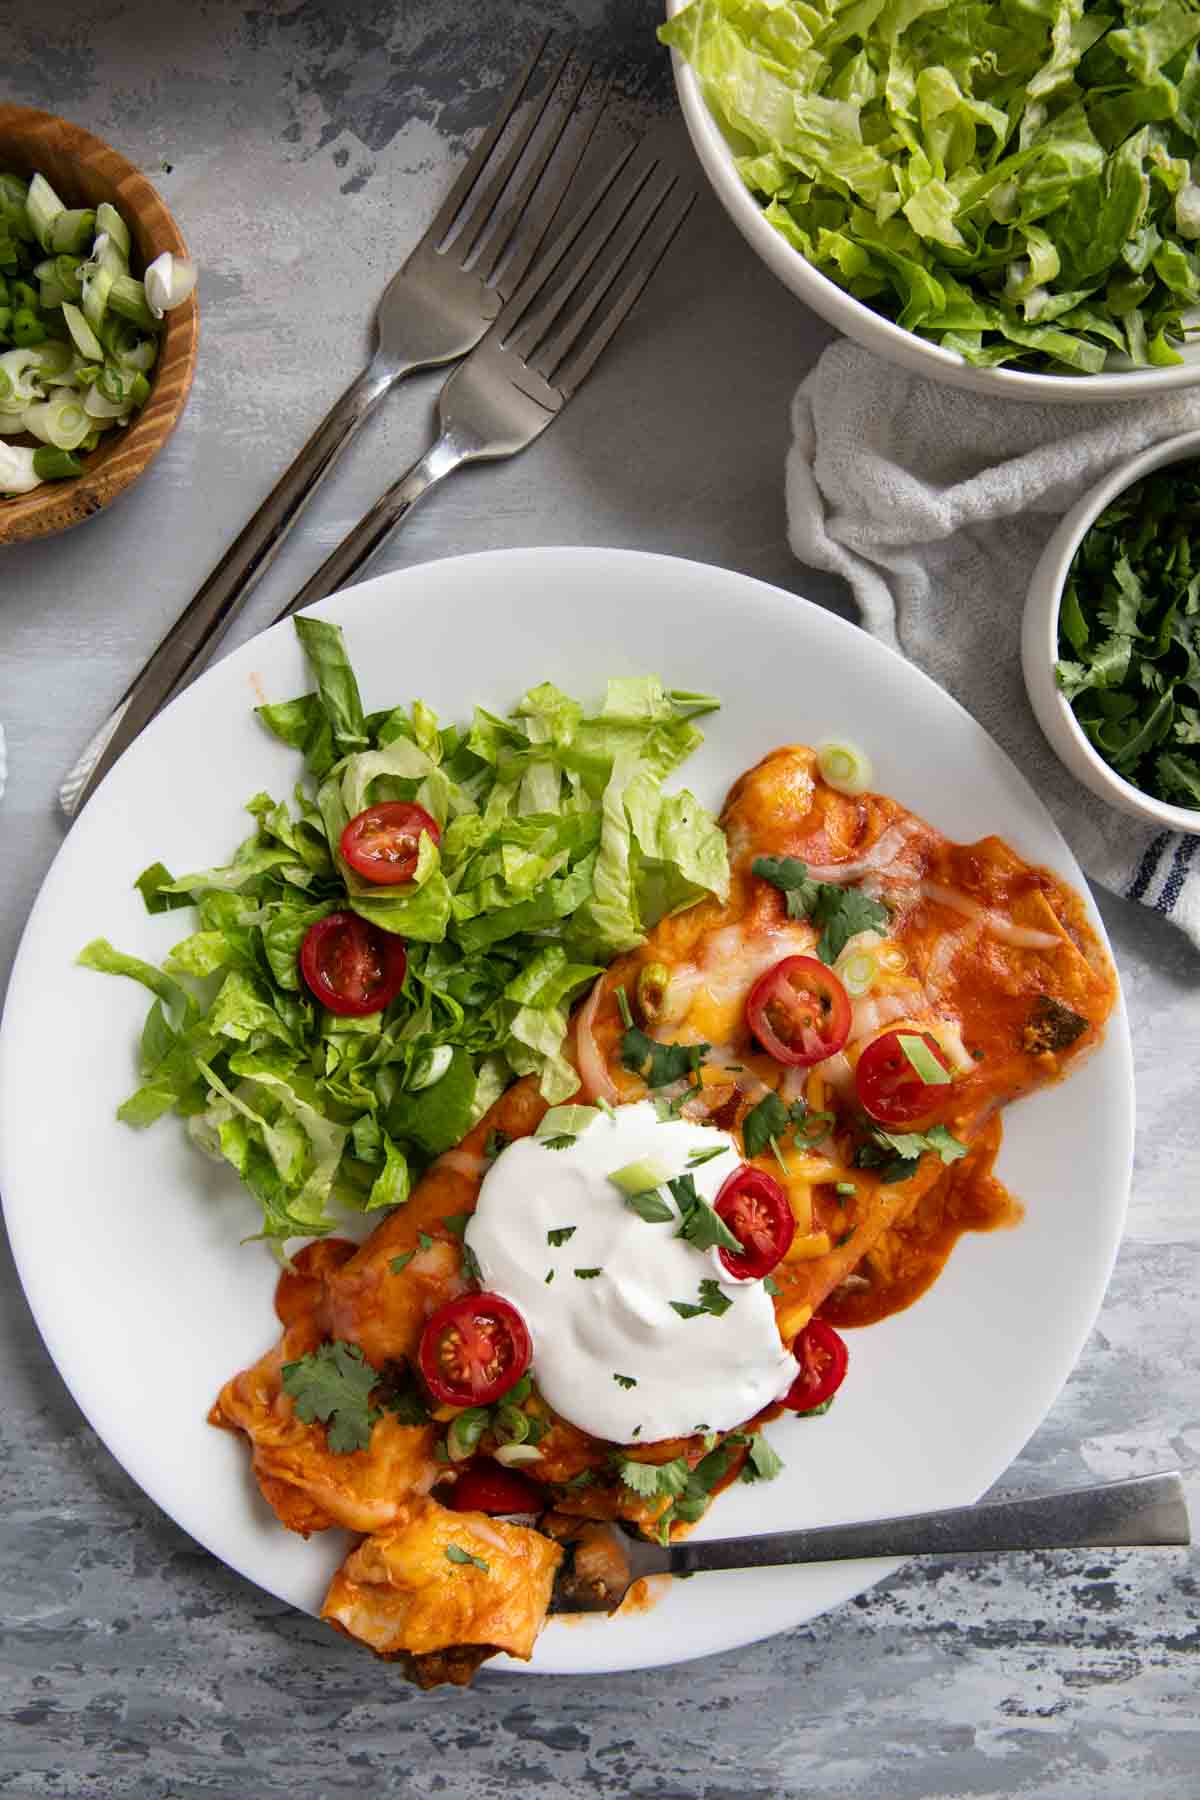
<point>84,170</point>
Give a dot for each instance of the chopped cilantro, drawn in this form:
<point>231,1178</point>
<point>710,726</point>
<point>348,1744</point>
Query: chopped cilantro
<point>660,1064</point>
<point>897,1154</point>
<point>668,1110</point>
<point>636,1432</point>
<point>494,1143</point>
<point>456,1223</point>
<point>763,1122</point>
<point>549,1276</point>
<point>560,1235</point>
<point>692,1503</point>
<point>584,1479</point>
<point>771,1285</point>
<point>587,1274</point>
<point>712,1300</point>
<point>625,1381</point>
<point>650,1206</point>
<point>841,912</point>
<point>425,1241</point>
<point>470,1264</point>
<point>699,1224</point>
<point>816,1412</point>
<point>401,1262</point>
<point>651,1480</point>
<point>762,1462</point>
<point>456,1554</point>
<point>562,1140</point>
<point>333,1384</point>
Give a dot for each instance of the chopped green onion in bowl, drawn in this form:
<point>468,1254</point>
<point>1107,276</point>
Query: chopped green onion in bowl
<point>78,331</point>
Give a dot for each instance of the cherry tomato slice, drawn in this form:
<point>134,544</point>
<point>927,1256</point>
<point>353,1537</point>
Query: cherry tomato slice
<point>799,1012</point>
<point>491,1488</point>
<point>350,966</point>
<point>756,1210</point>
<point>889,1088</point>
<point>474,1349</point>
<point>383,843</point>
<point>822,1356</point>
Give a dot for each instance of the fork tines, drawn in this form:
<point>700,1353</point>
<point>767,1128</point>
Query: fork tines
<point>581,289</point>
<point>498,212</point>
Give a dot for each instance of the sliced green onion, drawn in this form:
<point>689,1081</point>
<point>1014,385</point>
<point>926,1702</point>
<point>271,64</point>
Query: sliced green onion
<point>846,1187</point>
<point>511,1425</point>
<point>99,406</point>
<point>566,1121</point>
<point>640,1176</point>
<point>140,355</point>
<point>139,389</point>
<point>466,1429</point>
<point>98,275</point>
<point>111,225</point>
<point>71,232</point>
<point>513,1454</point>
<point>18,379</point>
<point>844,766</point>
<point>858,973</point>
<point>169,281</point>
<point>623,1009</point>
<point>43,206</point>
<point>652,983</point>
<point>54,362</point>
<point>18,471</point>
<point>928,1066</point>
<point>84,338</point>
<point>127,297</point>
<point>434,1064</point>
<point>60,421</point>
<point>27,328</point>
<point>57,465</point>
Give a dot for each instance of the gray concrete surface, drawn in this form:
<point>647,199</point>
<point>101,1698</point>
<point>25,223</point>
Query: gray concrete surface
<point>303,147</point>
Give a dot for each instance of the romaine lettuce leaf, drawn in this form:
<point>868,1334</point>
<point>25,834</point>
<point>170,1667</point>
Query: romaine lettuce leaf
<point>558,848</point>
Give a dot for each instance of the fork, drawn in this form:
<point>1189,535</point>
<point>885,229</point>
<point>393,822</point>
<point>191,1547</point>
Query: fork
<point>437,307</point>
<point>543,345</point>
<point>602,1561</point>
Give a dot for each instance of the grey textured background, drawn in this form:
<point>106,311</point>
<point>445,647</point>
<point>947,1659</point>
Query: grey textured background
<point>305,147</point>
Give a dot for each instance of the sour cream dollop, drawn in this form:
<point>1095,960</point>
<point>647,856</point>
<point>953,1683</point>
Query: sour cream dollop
<point>706,1372</point>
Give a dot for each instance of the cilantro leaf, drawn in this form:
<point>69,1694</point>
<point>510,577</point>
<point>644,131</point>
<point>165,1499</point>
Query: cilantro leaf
<point>625,1381</point>
<point>456,1223</point>
<point>767,1120</point>
<point>712,1300</point>
<point>699,1224</point>
<point>587,1274</point>
<point>762,1462</point>
<point>660,1064</point>
<point>333,1383</point>
<point>793,880</point>
<point>897,1154</point>
<point>456,1554</point>
<point>651,1480</point>
<point>494,1143</point>
<point>841,912</point>
<point>561,1235</point>
<point>562,1140</point>
<point>771,1285</point>
<point>425,1241</point>
<point>650,1206</point>
<point>401,1262</point>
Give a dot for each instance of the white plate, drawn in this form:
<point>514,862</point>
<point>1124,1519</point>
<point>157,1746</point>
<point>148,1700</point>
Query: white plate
<point>127,1244</point>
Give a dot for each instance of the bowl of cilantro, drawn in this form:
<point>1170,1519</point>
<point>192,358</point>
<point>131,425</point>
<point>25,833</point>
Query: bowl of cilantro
<point>1110,641</point>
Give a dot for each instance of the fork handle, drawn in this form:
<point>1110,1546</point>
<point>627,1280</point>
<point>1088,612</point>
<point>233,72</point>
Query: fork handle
<point>356,549</point>
<point>202,624</point>
<point>1148,1510</point>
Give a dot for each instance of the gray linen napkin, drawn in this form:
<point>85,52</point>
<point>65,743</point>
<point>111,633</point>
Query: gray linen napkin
<point>934,503</point>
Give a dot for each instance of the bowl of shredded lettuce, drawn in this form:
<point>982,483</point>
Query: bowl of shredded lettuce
<point>1000,195</point>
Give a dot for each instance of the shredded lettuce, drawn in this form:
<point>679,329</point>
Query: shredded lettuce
<point>559,848</point>
<point>1012,179</point>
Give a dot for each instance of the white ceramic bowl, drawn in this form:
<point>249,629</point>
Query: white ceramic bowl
<point>1039,643</point>
<point>870,328</point>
